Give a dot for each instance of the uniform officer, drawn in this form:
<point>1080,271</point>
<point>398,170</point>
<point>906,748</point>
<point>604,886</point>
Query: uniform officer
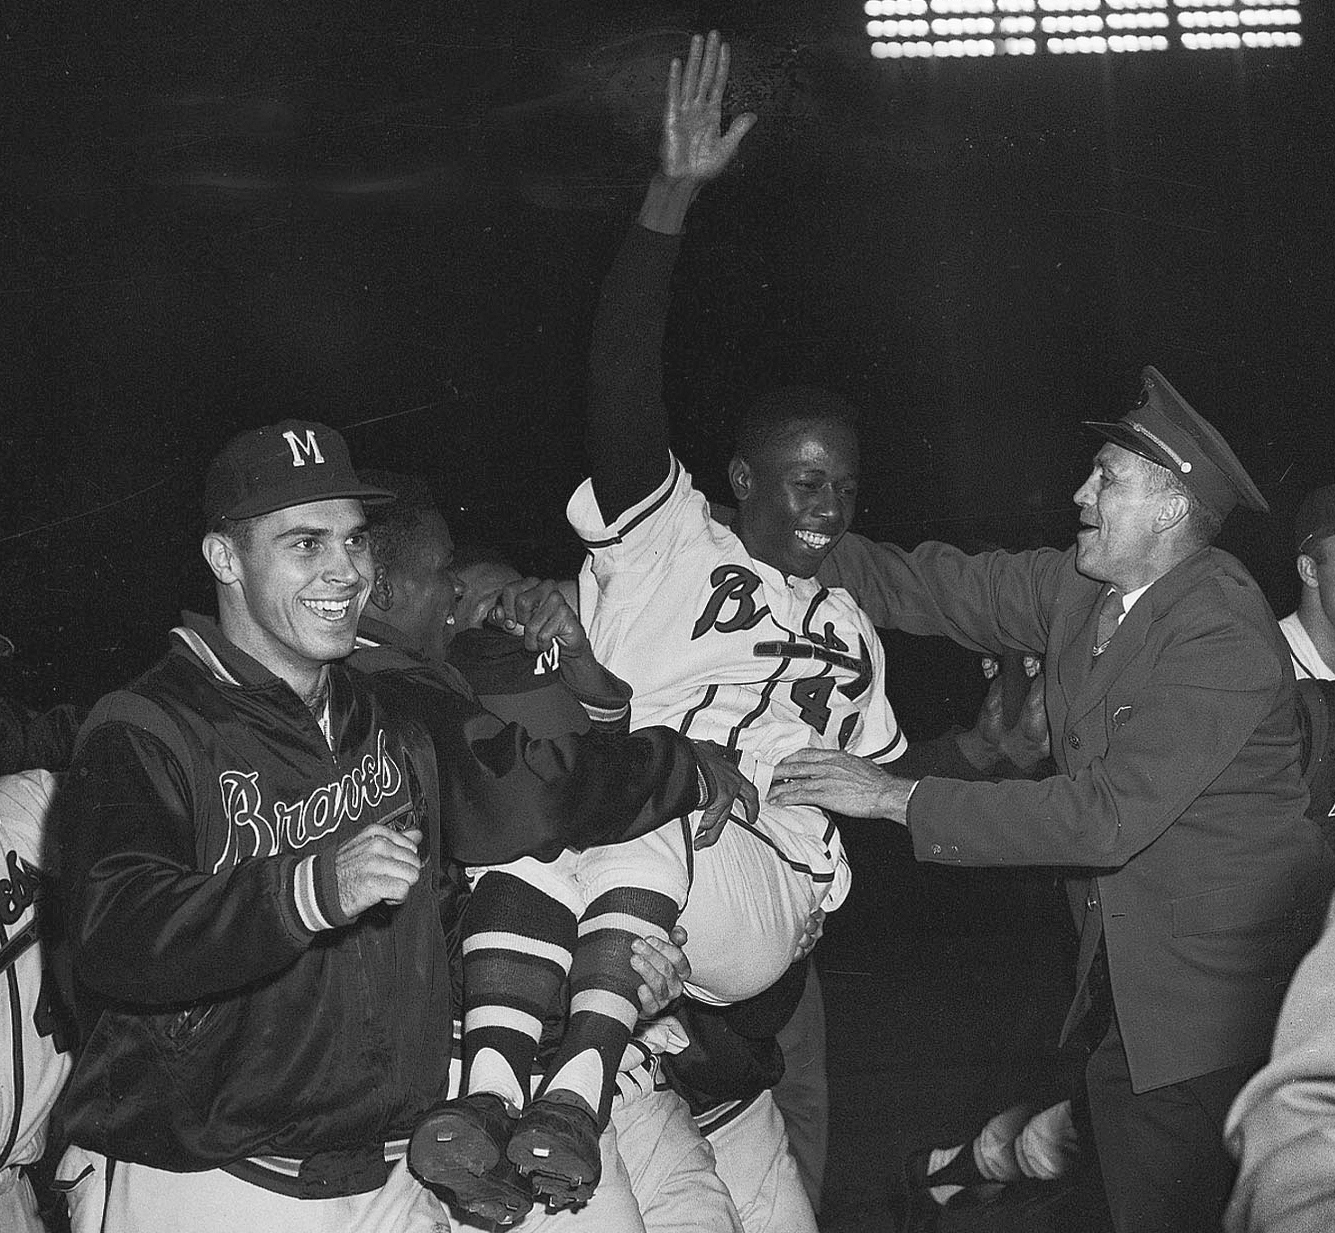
<point>1178,805</point>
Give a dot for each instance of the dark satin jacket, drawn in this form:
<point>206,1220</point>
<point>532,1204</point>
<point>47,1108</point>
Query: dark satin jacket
<point>229,1009</point>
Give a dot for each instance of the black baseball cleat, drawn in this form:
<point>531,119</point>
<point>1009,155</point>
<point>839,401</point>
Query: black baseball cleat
<point>555,1146</point>
<point>459,1153</point>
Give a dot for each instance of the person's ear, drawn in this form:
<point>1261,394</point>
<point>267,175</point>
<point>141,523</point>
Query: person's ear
<point>739,477</point>
<point>382,590</point>
<point>222,557</point>
<point>1307,571</point>
<point>1173,511</point>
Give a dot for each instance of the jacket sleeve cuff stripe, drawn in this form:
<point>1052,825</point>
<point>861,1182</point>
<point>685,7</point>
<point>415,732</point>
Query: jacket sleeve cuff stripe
<point>615,716</point>
<point>303,890</point>
<point>315,890</point>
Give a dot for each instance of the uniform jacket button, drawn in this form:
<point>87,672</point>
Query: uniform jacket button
<point>1073,740</point>
<point>1091,903</point>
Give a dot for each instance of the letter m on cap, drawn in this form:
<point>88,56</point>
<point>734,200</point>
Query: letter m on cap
<point>309,449</point>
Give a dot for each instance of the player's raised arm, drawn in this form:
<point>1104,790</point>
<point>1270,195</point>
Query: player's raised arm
<point>693,150</point>
<point>627,433</point>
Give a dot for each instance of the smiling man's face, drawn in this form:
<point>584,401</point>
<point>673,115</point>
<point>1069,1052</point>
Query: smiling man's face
<point>796,497</point>
<point>1120,504</point>
<point>297,585</point>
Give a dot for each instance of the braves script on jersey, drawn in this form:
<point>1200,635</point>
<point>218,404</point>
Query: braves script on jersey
<point>725,648</point>
<point>33,1070</point>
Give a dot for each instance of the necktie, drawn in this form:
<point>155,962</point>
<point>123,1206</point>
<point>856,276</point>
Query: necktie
<point>1110,613</point>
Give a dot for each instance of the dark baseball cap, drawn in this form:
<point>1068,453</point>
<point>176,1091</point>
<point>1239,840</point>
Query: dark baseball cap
<point>1316,516</point>
<point>280,465</point>
<point>1164,428</point>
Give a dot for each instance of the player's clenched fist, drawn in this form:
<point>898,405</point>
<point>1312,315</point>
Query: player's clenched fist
<point>538,610</point>
<point>377,865</point>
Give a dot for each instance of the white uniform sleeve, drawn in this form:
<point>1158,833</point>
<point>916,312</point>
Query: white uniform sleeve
<point>640,546</point>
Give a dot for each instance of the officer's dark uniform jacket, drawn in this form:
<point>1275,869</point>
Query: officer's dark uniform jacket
<point>509,792</point>
<point>1178,806</point>
<point>228,1007</point>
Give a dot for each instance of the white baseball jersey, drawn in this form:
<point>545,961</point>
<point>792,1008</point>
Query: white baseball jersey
<point>725,648</point>
<point>32,1073</point>
<point>1307,661</point>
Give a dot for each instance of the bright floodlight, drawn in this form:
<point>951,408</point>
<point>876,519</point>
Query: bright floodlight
<point>977,29</point>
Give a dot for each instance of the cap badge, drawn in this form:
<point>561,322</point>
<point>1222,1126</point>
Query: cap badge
<point>1182,464</point>
<point>302,451</point>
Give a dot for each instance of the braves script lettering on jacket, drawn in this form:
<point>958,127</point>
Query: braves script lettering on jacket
<point>290,825</point>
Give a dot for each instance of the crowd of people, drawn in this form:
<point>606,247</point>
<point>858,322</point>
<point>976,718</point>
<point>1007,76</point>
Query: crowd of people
<point>409,893</point>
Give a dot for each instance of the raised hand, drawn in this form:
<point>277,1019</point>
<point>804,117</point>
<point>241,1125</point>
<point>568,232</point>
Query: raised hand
<point>692,147</point>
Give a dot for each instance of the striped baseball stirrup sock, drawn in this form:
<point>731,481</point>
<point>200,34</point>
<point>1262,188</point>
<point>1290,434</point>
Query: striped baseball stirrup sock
<point>517,944</point>
<point>603,1001</point>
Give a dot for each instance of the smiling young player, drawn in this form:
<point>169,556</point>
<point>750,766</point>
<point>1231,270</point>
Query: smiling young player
<point>249,855</point>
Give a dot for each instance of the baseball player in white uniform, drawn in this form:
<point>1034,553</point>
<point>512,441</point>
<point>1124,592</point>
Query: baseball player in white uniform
<point>34,1071</point>
<point>727,648</point>
<point>724,633</point>
<point>725,637</point>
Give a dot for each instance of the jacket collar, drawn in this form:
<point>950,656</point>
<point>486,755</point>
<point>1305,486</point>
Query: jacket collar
<point>1086,679</point>
<point>383,646</point>
<point>372,634</point>
<point>201,637</point>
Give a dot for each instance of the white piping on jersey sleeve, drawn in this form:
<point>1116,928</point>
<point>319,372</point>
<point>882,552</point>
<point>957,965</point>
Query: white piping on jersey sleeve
<point>641,541</point>
<point>878,735</point>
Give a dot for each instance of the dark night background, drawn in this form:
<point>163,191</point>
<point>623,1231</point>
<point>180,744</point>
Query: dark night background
<point>394,218</point>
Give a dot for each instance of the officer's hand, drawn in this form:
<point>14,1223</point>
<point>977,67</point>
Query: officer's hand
<point>842,783</point>
<point>728,790</point>
<point>377,865</point>
<point>665,969</point>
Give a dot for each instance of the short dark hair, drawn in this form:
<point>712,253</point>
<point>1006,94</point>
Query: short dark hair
<point>241,531</point>
<point>395,526</point>
<point>1317,547</point>
<point>776,411</point>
